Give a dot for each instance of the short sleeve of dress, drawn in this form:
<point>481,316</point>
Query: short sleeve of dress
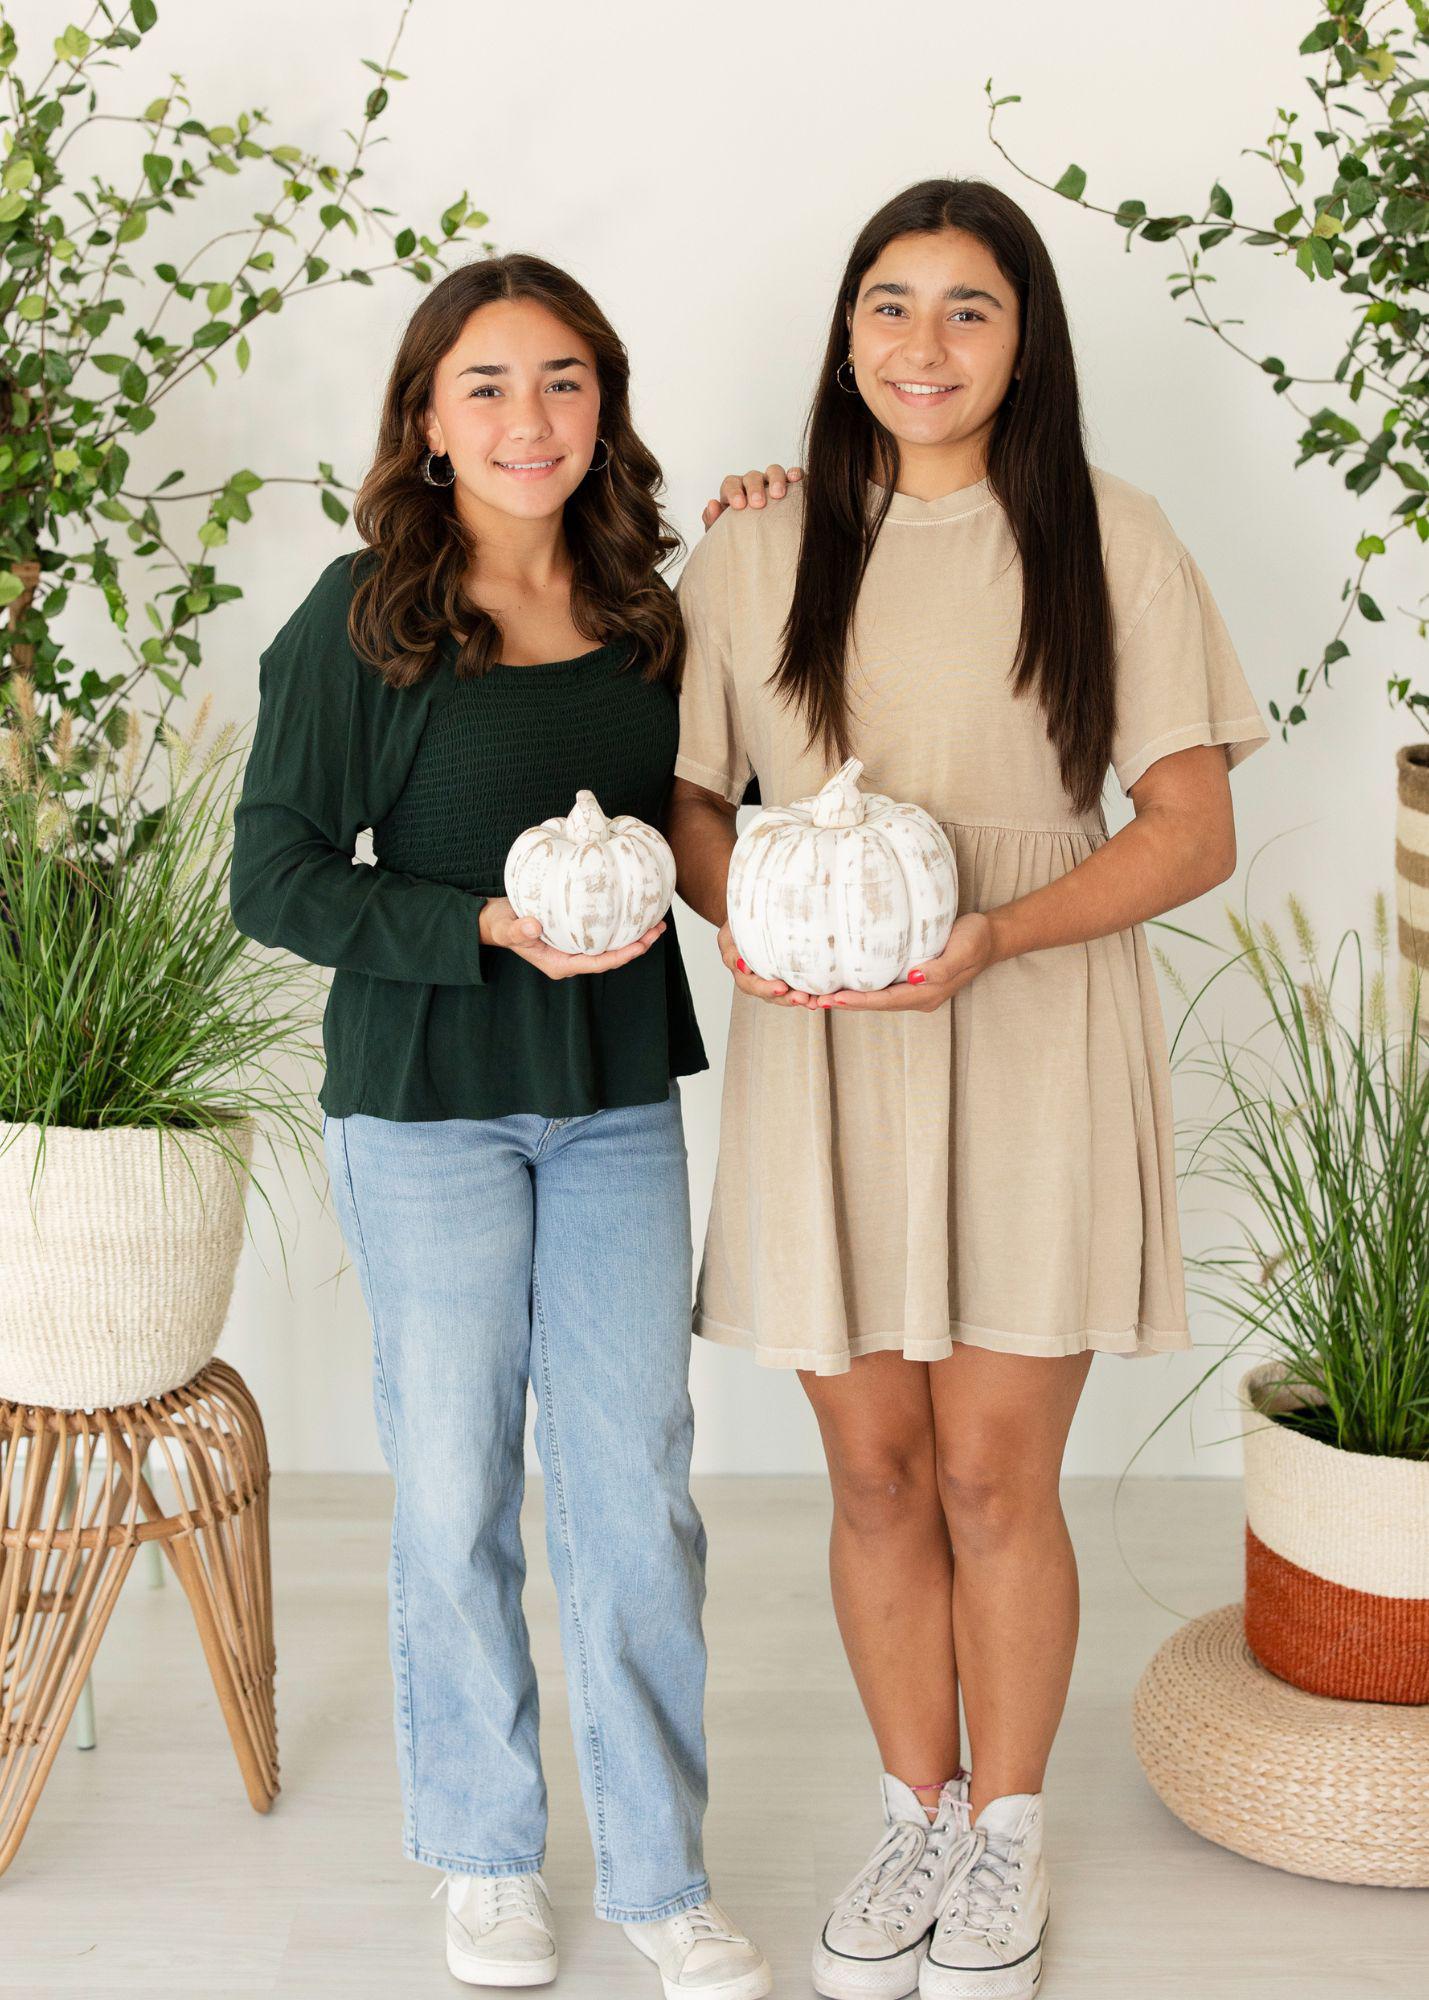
<point>711,752</point>
<point>1179,682</point>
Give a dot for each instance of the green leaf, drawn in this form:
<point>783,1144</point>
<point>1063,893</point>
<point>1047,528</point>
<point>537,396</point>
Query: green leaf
<point>1322,36</point>
<point>169,681</point>
<point>219,296</point>
<point>1369,609</point>
<point>73,45</point>
<point>157,169</point>
<point>133,225</point>
<point>406,242</point>
<point>134,383</point>
<point>32,306</point>
<point>1220,203</point>
<point>19,171</point>
<point>1336,650</point>
<point>10,587</point>
<point>213,534</point>
<point>243,351</point>
<point>12,205</point>
<point>67,459</point>
<point>333,507</point>
<point>1367,545</point>
<point>1289,220</point>
<point>145,15</point>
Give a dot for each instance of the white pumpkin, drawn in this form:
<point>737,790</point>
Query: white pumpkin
<point>593,883</point>
<point>845,890</point>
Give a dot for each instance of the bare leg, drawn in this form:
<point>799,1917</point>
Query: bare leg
<point>1001,1424</point>
<point>891,1562</point>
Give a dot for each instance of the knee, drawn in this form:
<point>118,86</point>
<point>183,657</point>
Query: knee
<point>987,1505</point>
<point>879,1493</point>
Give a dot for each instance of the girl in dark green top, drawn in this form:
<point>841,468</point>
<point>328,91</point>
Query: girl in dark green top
<point>423,1019</point>
<point>502,1120</point>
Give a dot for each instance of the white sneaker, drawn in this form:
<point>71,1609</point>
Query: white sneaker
<point>499,1929</point>
<point>993,1917</point>
<point>873,1942</point>
<point>700,1952</point>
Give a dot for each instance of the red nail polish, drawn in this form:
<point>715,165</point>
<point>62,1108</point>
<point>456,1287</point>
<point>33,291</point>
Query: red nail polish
<point>916,978</point>
<point>741,964</point>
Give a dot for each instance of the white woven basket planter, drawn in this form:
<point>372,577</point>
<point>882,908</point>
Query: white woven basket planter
<point>1337,1557</point>
<point>116,1270</point>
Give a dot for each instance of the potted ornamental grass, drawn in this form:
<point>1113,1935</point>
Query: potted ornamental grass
<point>144,1043</point>
<point>1319,1130</point>
<point>142,1040</point>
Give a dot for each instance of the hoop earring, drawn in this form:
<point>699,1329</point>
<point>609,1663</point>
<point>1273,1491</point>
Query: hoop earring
<point>847,362</point>
<point>604,463</point>
<point>427,458</point>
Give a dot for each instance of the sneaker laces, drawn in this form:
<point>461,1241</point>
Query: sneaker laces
<point>878,1894</point>
<point>503,1896</point>
<point>707,1926</point>
<point>977,1891</point>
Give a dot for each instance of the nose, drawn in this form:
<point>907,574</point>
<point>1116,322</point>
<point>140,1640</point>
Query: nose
<point>527,419</point>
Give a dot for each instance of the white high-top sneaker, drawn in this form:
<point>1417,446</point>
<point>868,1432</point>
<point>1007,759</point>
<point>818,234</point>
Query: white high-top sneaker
<point>878,1930</point>
<point>993,1916</point>
<point>701,1953</point>
<point>499,1929</point>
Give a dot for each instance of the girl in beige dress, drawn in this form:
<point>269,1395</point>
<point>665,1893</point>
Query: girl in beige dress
<point>937,1202</point>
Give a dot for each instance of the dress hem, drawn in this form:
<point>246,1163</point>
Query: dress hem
<point>1129,1345</point>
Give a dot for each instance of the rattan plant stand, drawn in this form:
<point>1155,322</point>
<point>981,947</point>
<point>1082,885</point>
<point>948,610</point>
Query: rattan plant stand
<point>76,1502</point>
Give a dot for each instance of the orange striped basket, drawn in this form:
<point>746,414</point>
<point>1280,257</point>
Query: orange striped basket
<point>1336,1556</point>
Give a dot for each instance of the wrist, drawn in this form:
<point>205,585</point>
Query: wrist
<point>1002,927</point>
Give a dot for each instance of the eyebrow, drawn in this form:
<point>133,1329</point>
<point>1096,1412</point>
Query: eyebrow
<point>500,368</point>
<point>900,291</point>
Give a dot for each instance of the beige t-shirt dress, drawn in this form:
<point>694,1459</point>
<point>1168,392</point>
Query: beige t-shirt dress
<point>1000,1172</point>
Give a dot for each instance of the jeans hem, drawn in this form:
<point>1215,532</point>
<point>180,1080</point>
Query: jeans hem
<point>454,1864</point>
<point>688,1899</point>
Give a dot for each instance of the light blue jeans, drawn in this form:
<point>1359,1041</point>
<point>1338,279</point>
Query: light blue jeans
<point>493,1252</point>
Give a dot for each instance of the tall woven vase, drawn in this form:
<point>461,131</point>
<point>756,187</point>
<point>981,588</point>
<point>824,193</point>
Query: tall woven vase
<point>117,1265</point>
<point>1336,1556</point>
<point>1411,877</point>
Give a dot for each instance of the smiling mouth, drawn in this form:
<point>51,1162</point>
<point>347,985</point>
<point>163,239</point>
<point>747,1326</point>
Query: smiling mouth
<point>526,464</point>
<point>924,388</point>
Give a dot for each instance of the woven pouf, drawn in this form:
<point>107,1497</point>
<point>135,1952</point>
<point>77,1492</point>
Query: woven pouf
<point>1334,1789</point>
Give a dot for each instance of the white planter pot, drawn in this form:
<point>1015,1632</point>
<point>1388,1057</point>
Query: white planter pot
<point>1337,1556</point>
<point>117,1266</point>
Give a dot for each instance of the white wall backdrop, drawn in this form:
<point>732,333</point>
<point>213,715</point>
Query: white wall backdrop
<point>702,169</point>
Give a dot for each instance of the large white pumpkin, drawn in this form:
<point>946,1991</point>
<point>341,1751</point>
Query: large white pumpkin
<point>845,890</point>
<point>593,883</point>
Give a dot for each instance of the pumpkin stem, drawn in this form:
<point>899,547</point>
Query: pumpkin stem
<point>840,802</point>
<point>585,820</point>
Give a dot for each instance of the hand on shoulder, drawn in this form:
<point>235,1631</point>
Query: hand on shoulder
<point>751,489</point>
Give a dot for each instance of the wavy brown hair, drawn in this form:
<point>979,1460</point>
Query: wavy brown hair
<point>1037,469</point>
<point>410,597</point>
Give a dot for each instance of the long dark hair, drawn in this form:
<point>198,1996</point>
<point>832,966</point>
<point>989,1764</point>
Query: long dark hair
<point>411,596</point>
<point>1037,469</point>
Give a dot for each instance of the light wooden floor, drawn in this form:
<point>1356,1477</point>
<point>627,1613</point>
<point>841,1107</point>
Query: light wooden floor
<point>145,1870</point>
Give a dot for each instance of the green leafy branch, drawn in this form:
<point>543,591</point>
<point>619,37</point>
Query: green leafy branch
<point>1364,231</point>
<point>90,350</point>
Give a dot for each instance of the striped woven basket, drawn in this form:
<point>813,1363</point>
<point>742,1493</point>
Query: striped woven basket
<point>1336,1556</point>
<point>1411,878</point>
<point>116,1270</point>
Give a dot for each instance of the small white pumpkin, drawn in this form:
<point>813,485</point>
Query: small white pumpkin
<point>845,890</point>
<point>593,883</point>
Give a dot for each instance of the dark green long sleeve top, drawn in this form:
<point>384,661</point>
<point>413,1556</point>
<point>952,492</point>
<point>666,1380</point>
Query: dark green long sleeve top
<point>423,1020</point>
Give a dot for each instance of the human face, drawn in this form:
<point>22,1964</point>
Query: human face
<point>934,336</point>
<point>515,405</point>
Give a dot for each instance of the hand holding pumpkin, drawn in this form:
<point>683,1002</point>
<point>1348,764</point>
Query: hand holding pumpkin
<point>500,925</point>
<point>968,951</point>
